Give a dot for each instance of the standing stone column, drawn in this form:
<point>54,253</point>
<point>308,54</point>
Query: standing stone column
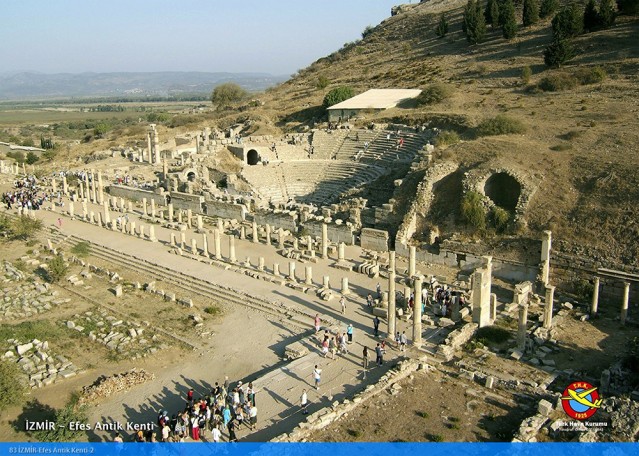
<point>417,313</point>
<point>205,245</point>
<point>156,146</point>
<point>268,234</point>
<point>54,185</point>
<point>171,214</point>
<point>100,195</point>
<point>481,293</point>
<point>107,215</point>
<point>144,207</point>
<point>172,238</point>
<point>276,269</point>
<point>189,218</point>
<point>71,209</point>
<point>624,302</point>
<point>132,228</point>
<point>340,251</point>
<point>324,240</point>
<point>254,235</point>
<point>141,235</point>
<point>99,216</point>
<point>220,226</point>
<point>85,210</point>
<point>550,297</point>
<point>152,237</point>
<point>217,244</point>
<point>182,240</point>
<point>493,308</point>
<point>153,208</point>
<point>65,186</point>
<point>280,238</point>
<point>242,232</point>
<point>81,190</point>
<point>194,246</point>
<point>291,271</point>
<point>546,245</point>
<point>232,258</point>
<point>345,290</point>
<point>412,258</point>
<point>523,326</point>
<point>148,147</point>
<point>200,223</point>
<point>308,275</point>
<point>391,295</point>
<point>326,282</point>
<point>594,305</point>
<point>455,314</point>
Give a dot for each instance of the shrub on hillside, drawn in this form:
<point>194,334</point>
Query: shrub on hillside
<point>587,76</point>
<point>32,158</point>
<point>558,82</point>
<point>607,13</point>
<point>228,93</point>
<point>446,138</point>
<point>530,15</point>
<point>526,74</point>
<point>62,432</point>
<point>500,125</point>
<point>322,82</point>
<point>24,227</point>
<point>56,269</point>
<point>500,218</point>
<point>472,210</point>
<point>435,93</point>
<point>337,95</point>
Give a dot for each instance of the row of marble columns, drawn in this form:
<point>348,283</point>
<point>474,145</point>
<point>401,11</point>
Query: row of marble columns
<point>625,301</point>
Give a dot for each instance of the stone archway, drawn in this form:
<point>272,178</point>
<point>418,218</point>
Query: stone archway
<point>191,176</point>
<point>252,157</point>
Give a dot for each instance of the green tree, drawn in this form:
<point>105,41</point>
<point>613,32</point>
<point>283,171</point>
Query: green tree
<point>558,52</point>
<point>607,13</point>
<point>628,6</point>
<point>568,22</point>
<point>24,227</point>
<point>472,210</point>
<point>442,26</point>
<point>548,8</point>
<point>367,31</point>
<point>474,24</point>
<point>337,95</point>
<point>32,158</point>
<point>56,269</point>
<point>101,129</point>
<point>531,13</point>
<point>507,19</point>
<point>227,94</point>
<point>591,16</point>
<point>526,74</point>
<point>500,218</point>
<point>12,389</point>
<point>491,13</point>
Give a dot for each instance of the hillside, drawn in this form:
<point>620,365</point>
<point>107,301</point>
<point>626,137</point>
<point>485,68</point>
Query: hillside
<point>579,144</point>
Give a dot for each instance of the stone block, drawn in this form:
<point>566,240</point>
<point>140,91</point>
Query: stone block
<point>516,355</point>
<point>545,407</point>
<point>490,381</point>
<point>22,349</point>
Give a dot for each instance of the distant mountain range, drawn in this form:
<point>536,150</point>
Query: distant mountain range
<point>33,85</point>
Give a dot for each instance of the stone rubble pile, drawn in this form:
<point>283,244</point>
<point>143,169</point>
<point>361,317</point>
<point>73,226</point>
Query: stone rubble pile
<point>125,337</point>
<point>107,386</point>
<point>39,363</point>
<point>26,299</point>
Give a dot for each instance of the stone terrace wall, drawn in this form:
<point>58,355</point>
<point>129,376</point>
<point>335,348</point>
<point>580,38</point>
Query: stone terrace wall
<point>286,220</point>
<point>186,201</point>
<point>136,194</point>
<point>373,239</point>
<point>336,233</point>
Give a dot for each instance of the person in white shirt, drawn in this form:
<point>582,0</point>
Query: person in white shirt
<point>304,402</point>
<point>216,434</point>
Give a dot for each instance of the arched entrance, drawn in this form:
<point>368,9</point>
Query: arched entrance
<point>252,157</point>
<point>191,176</point>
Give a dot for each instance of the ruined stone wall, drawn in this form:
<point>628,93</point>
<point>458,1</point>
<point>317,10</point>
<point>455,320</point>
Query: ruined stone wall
<point>225,210</point>
<point>136,194</point>
<point>186,201</point>
<point>373,239</point>
<point>336,232</point>
<point>286,220</point>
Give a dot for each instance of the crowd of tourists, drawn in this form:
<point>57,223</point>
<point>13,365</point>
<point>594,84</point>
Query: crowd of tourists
<point>220,415</point>
<point>26,194</point>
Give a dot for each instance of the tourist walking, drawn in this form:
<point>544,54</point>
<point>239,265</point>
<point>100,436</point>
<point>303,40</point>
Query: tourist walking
<point>365,359</point>
<point>349,332</point>
<point>402,341</point>
<point>379,355</point>
<point>342,302</point>
<point>317,323</point>
<point>317,376</point>
<point>376,325</point>
<point>216,434</point>
<point>304,402</point>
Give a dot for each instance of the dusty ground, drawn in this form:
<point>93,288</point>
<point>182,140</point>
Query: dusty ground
<point>431,407</point>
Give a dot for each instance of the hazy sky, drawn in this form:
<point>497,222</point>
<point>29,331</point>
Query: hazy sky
<point>273,36</point>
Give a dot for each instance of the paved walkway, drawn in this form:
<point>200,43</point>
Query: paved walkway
<point>279,390</point>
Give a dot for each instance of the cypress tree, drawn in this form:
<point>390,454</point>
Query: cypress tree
<point>474,25</point>
<point>607,14</point>
<point>568,22</point>
<point>591,16</point>
<point>558,52</point>
<point>442,27</point>
<point>491,13</point>
<point>548,8</point>
<point>531,12</point>
<point>507,19</point>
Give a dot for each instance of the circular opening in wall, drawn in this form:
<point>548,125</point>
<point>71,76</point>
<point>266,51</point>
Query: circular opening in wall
<point>190,176</point>
<point>504,190</point>
<point>252,157</point>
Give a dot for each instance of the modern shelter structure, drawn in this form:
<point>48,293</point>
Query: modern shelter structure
<point>374,99</point>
